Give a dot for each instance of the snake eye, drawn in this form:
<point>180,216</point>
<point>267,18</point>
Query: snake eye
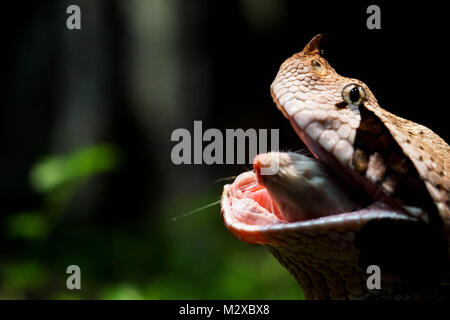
<point>353,94</point>
<point>316,64</point>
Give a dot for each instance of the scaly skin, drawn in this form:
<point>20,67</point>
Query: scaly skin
<point>400,164</point>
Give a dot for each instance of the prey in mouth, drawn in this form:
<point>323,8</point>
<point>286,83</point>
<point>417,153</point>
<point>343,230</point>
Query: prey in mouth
<point>375,192</point>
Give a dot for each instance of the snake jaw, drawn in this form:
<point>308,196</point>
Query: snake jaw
<point>250,213</point>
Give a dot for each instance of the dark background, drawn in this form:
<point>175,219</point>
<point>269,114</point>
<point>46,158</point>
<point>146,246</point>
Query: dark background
<point>86,117</point>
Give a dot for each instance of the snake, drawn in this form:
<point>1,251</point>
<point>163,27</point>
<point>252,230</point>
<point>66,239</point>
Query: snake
<point>373,190</point>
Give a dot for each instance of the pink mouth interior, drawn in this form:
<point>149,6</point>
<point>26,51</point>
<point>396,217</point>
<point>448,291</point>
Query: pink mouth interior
<point>251,202</point>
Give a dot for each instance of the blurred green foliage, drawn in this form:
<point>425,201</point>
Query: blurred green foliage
<point>153,257</point>
<point>29,225</point>
<point>55,171</point>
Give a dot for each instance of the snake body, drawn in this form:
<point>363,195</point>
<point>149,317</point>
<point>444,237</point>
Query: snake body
<point>400,166</point>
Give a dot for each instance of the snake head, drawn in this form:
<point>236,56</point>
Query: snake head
<point>322,105</point>
<point>341,123</point>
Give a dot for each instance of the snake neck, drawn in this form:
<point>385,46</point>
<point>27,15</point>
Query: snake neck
<point>333,264</point>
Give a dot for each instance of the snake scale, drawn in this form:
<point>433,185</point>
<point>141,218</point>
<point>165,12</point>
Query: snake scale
<point>395,169</point>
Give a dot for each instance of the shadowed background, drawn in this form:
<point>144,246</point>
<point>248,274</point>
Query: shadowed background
<point>86,116</point>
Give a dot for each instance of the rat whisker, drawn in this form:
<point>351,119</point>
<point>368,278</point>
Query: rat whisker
<point>196,210</point>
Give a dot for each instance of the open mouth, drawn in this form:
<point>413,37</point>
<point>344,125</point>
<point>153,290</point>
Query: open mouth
<point>251,213</point>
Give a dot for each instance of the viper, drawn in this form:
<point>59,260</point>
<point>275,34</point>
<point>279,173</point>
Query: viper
<point>374,192</point>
